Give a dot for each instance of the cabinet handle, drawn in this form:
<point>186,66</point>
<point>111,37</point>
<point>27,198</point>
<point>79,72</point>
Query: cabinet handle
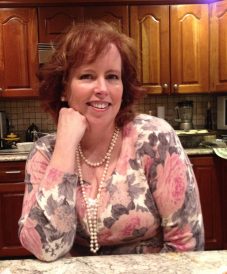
<point>175,88</point>
<point>13,172</point>
<point>1,89</point>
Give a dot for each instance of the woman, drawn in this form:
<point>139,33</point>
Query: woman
<point>108,182</point>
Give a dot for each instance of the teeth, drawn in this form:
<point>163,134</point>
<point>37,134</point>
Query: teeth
<point>99,105</point>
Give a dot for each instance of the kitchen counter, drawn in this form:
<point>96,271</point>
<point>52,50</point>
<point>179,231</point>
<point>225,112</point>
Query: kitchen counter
<point>22,156</point>
<point>199,151</point>
<point>5,157</point>
<point>206,262</point>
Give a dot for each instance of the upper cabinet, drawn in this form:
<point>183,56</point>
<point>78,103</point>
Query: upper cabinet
<point>54,21</point>
<point>18,52</point>
<point>117,15</point>
<point>189,27</point>
<point>172,43</point>
<point>149,26</point>
<point>179,51</point>
<point>218,47</point>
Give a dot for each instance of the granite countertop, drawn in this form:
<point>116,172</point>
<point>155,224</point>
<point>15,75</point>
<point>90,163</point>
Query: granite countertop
<point>22,156</point>
<point>14,156</point>
<point>206,262</point>
<point>199,151</point>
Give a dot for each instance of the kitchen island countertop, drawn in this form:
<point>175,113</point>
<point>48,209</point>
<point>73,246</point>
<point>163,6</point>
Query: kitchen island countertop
<point>204,262</point>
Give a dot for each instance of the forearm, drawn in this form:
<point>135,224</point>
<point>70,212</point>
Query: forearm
<point>188,236</point>
<point>48,222</point>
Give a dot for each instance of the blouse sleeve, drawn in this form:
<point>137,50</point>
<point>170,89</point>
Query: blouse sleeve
<point>48,222</point>
<point>176,194</point>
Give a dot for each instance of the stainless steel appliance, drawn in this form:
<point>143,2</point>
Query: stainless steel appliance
<point>222,112</point>
<point>3,128</point>
<point>184,112</point>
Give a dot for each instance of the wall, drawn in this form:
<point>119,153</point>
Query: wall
<point>21,113</point>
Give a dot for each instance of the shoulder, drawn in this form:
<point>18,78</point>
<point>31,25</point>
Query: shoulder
<point>148,123</point>
<point>154,131</point>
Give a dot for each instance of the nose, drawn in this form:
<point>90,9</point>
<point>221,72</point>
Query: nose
<point>101,86</point>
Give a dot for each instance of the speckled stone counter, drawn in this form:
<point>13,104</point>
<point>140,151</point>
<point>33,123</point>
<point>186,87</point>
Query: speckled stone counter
<point>4,157</point>
<point>199,151</point>
<point>207,262</point>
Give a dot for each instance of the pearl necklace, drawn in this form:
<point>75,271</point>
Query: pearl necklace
<point>92,204</point>
<point>108,153</point>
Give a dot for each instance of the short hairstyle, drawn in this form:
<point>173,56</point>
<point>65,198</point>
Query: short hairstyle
<point>80,45</point>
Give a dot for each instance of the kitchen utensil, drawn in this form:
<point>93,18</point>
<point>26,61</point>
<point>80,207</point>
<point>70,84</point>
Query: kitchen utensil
<point>25,146</point>
<point>4,127</point>
<point>184,111</point>
<point>193,138</point>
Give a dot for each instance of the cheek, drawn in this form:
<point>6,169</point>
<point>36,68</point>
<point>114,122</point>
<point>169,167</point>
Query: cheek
<point>118,94</point>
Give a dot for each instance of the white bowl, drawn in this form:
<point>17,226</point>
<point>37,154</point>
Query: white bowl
<point>25,146</point>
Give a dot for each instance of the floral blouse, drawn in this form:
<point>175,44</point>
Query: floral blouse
<point>149,204</point>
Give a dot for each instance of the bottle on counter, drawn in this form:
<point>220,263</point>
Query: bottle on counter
<point>32,133</point>
<point>209,118</point>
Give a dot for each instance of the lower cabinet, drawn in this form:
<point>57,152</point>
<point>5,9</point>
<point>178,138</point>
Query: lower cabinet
<point>11,199</point>
<point>207,172</point>
<point>224,201</point>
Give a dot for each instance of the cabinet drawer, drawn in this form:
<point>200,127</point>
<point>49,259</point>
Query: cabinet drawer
<point>12,171</point>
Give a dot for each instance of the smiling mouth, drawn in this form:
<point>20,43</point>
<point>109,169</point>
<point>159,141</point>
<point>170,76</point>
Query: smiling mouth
<point>98,105</point>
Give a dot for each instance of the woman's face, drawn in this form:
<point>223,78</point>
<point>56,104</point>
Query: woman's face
<point>95,90</point>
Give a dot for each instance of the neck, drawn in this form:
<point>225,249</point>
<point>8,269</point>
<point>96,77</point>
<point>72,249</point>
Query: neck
<point>96,136</point>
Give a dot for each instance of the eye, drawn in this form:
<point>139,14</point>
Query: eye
<point>86,76</point>
<point>112,76</point>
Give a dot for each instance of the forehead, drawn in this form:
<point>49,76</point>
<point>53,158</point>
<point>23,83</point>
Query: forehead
<point>109,58</point>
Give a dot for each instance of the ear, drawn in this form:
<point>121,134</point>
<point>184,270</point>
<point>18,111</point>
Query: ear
<point>63,96</point>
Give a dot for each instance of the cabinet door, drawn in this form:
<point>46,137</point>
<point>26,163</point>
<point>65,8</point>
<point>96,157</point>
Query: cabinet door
<point>206,172</point>
<point>218,46</point>
<point>18,52</point>
<point>224,200</point>
<point>54,21</point>
<point>149,26</point>
<point>11,199</point>
<point>117,15</point>
<point>189,48</point>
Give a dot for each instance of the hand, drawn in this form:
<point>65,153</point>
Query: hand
<point>71,127</point>
<point>70,130</point>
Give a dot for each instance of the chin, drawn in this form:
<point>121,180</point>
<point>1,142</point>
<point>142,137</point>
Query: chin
<point>93,121</point>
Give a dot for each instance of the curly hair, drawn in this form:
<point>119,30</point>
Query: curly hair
<point>82,44</point>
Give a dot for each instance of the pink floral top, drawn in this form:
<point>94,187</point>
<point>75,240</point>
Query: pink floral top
<point>149,204</point>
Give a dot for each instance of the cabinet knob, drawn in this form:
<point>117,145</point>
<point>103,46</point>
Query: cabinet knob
<point>165,86</point>
<point>175,87</point>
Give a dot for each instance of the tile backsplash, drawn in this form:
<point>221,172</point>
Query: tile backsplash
<point>22,113</point>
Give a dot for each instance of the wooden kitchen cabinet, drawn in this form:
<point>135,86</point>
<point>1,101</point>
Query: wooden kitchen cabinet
<point>117,15</point>
<point>54,21</point>
<point>224,200</point>
<point>149,26</point>
<point>207,173</point>
<point>172,43</point>
<point>218,46</point>
<point>11,199</point>
<point>18,52</point>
